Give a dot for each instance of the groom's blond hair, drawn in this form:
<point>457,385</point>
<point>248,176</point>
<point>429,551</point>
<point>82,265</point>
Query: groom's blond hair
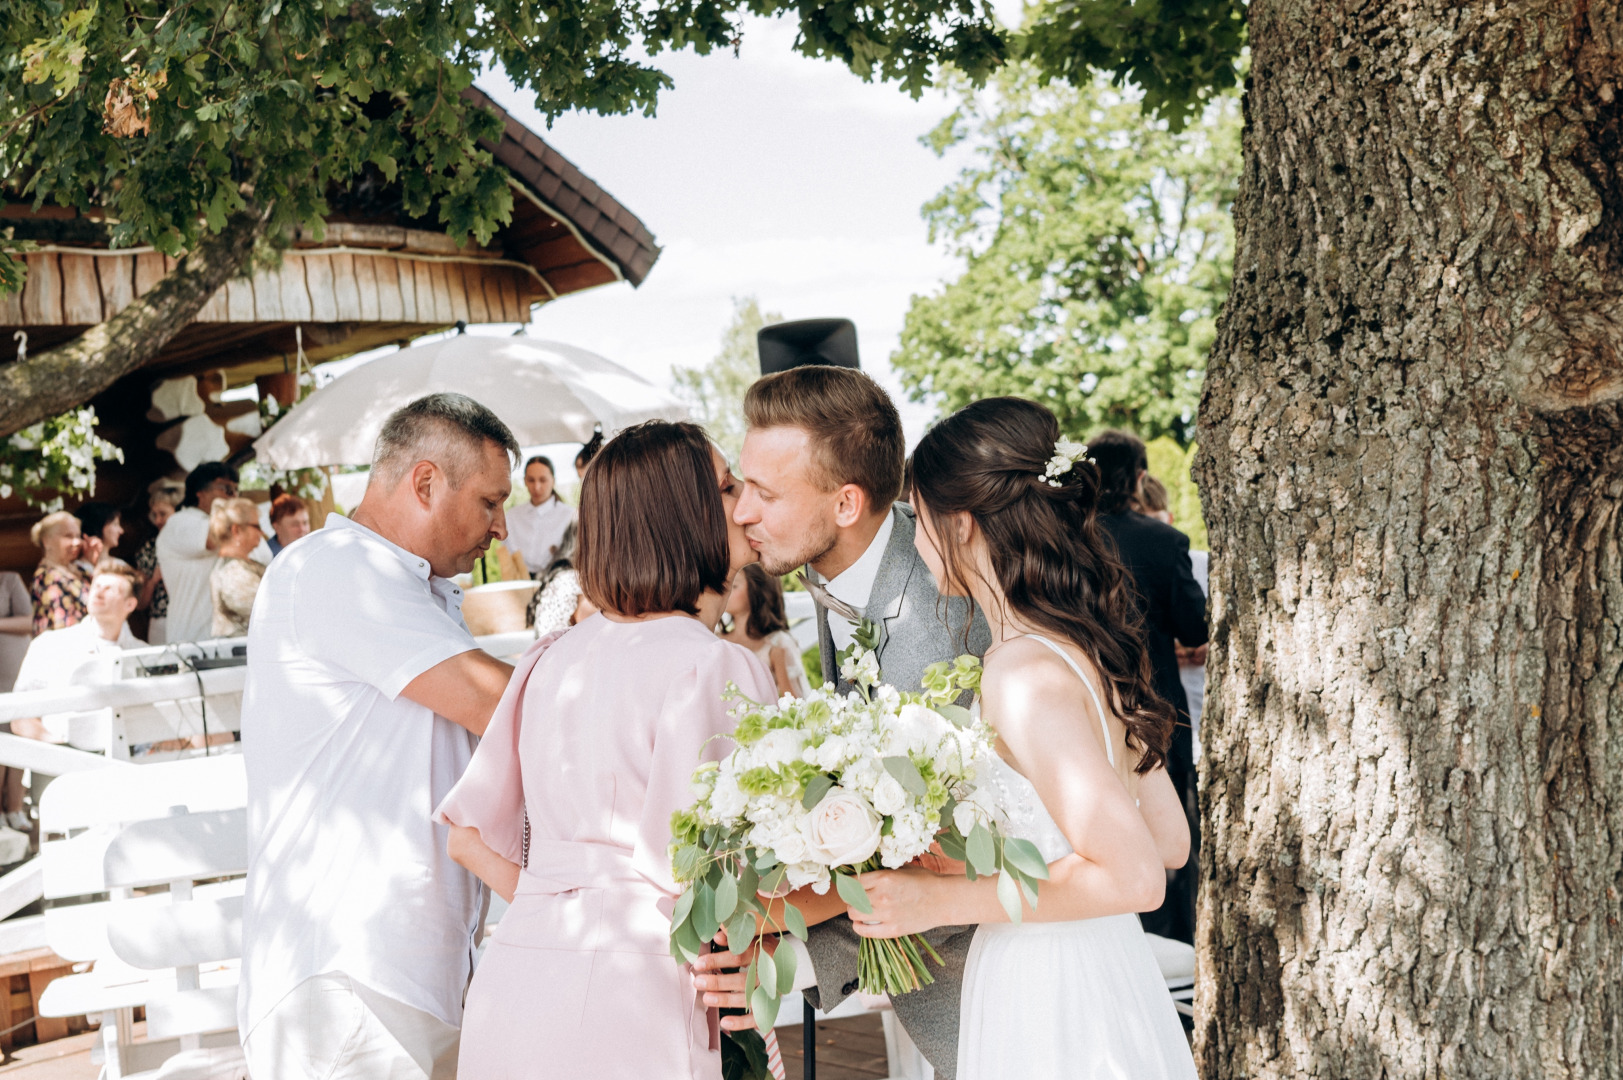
<point>855,431</point>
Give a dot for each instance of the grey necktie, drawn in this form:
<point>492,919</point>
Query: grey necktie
<point>829,602</point>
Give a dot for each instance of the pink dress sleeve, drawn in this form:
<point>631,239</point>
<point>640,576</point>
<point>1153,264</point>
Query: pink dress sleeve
<point>694,712</point>
<point>490,795</point>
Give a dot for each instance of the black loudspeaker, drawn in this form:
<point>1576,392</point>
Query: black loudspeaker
<point>807,341</point>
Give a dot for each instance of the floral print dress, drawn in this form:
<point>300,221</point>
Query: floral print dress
<point>58,593</point>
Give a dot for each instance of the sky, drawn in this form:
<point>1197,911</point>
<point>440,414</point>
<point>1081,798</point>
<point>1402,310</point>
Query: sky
<point>767,175</point>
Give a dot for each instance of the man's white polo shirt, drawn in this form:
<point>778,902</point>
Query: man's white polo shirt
<point>76,656</point>
<point>346,870</point>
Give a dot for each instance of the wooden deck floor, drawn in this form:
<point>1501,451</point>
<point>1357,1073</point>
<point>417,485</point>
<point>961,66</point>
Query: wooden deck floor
<point>849,1049</point>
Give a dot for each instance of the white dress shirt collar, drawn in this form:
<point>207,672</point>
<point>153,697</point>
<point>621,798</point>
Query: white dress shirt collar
<point>854,584</point>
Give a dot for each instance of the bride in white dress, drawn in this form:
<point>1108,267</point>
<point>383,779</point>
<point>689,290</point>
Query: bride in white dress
<point>1006,516</point>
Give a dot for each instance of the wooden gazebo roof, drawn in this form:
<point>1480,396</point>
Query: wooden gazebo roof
<point>376,276</point>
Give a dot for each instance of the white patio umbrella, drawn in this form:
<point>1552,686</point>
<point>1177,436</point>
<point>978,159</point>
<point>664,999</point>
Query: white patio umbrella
<point>544,391</point>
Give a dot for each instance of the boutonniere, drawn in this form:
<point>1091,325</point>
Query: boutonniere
<point>859,661</point>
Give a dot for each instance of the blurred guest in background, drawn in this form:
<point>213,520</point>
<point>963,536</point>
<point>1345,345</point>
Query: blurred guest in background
<point>1174,610</point>
<point>163,499</point>
<point>186,554</point>
<point>85,653</point>
<point>58,588</point>
<point>536,528</point>
<point>760,625</point>
<point>100,527</point>
<point>16,627</point>
<point>588,451</point>
<point>290,519</point>
<point>1152,500</point>
<point>559,602</point>
<point>234,581</point>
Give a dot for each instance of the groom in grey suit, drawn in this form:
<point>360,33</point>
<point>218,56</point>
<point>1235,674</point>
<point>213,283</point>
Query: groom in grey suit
<point>822,466</point>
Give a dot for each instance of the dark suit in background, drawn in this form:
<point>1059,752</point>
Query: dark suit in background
<point>1174,608</point>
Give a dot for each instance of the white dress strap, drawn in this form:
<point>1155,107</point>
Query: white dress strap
<point>1110,753</point>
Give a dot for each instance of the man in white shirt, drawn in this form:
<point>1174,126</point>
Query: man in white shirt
<point>365,694</point>
<point>85,654</point>
<point>536,528</point>
<point>187,556</point>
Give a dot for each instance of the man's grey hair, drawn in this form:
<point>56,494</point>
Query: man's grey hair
<point>448,429</point>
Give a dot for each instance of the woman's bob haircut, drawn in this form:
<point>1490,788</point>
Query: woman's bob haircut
<point>653,531</point>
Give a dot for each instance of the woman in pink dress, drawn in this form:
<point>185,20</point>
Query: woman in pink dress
<point>566,806</point>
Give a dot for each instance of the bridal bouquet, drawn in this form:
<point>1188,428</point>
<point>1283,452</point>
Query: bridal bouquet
<point>822,789</point>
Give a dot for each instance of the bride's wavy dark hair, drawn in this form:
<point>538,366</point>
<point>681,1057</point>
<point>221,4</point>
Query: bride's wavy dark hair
<point>1056,567</point>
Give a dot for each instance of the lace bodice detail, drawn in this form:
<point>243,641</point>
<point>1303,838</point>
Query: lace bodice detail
<point>1024,814</point>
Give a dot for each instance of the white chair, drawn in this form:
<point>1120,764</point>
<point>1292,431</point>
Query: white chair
<point>1177,963</point>
<point>175,953</point>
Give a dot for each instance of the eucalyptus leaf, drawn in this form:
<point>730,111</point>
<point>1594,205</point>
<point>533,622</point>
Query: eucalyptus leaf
<point>748,881</point>
<point>852,892</point>
<point>740,932</point>
<point>773,879</point>
<point>794,921</point>
<point>907,774</point>
<point>1008,894</point>
<point>726,898</point>
<point>981,852</point>
<point>952,846</point>
<point>766,970</point>
<point>786,964</point>
<point>764,1007</point>
<point>686,939</point>
<point>816,788</point>
<point>956,715</point>
<point>1028,889</point>
<point>1024,855</point>
<point>705,923</point>
<point>684,907</point>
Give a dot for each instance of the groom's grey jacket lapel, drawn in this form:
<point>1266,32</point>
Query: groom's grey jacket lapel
<point>916,629</point>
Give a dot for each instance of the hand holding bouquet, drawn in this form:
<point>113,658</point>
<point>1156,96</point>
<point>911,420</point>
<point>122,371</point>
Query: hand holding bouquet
<point>826,788</point>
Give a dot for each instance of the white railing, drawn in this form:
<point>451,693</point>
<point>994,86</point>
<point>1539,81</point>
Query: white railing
<point>136,711</point>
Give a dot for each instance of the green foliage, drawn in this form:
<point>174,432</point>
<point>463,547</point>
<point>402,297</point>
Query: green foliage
<point>715,392</point>
<point>174,116</point>
<point>1097,250</point>
<point>54,458</point>
<point>1170,464</point>
<point>1180,53</point>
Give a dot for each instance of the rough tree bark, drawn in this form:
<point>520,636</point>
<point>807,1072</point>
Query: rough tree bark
<point>62,378</point>
<point>1412,466</point>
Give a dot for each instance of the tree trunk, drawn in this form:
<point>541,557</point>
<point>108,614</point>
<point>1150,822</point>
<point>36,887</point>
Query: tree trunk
<point>67,376</point>
<point>1412,467</point>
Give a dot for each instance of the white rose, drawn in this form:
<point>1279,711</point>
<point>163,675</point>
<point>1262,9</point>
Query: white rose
<point>790,847</point>
<point>726,800</point>
<point>842,830</point>
<point>888,795</point>
<point>778,747</point>
<point>831,754</point>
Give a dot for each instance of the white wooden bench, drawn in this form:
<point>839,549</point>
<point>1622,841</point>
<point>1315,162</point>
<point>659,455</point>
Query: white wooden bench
<point>120,831</point>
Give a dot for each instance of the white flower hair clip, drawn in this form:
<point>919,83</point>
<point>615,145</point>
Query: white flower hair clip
<point>1066,455</point>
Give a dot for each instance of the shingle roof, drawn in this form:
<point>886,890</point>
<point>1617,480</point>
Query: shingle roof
<point>613,231</point>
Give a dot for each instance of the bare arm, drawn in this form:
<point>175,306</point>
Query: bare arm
<point>780,670</point>
<point>463,689</point>
<point>471,853</point>
<point>17,624</point>
<point>1159,806</point>
<point>1053,735</point>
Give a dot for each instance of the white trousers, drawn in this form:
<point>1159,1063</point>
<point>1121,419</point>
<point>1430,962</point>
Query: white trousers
<point>331,1028</point>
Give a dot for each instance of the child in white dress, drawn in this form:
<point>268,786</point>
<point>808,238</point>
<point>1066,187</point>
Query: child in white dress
<point>760,625</point>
